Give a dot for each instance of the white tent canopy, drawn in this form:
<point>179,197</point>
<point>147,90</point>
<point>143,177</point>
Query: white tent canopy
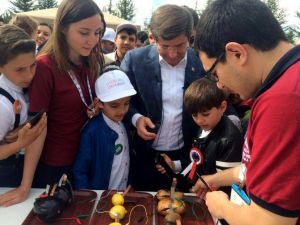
<point>48,16</point>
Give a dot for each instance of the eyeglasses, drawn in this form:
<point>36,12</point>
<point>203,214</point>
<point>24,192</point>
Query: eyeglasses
<point>210,74</point>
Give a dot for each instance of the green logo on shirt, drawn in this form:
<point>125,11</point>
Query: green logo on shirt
<point>118,149</point>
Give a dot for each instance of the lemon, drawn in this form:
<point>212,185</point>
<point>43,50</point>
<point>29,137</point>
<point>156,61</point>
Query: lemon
<point>117,199</point>
<point>117,212</point>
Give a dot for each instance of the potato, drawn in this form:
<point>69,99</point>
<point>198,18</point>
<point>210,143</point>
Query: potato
<point>162,194</point>
<point>179,195</point>
<point>163,206</point>
<point>172,217</point>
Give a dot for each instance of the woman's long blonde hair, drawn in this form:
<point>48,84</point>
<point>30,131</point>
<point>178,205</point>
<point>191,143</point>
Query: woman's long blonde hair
<point>72,11</point>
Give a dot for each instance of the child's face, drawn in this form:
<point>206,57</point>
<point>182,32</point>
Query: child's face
<point>43,34</point>
<point>209,119</point>
<point>117,109</point>
<point>20,70</point>
<point>125,42</point>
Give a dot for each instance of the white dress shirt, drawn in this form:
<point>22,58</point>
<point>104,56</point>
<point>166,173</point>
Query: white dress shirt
<point>169,136</point>
<point>7,115</point>
<point>120,167</point>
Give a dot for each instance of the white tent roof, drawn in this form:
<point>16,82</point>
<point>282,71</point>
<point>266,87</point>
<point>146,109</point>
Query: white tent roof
<point>48,16</point>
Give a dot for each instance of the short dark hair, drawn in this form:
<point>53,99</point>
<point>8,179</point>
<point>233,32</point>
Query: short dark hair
<point>170,21</point>
<point>202,95</point>
<point>245,22</point>
<point>194,15</point>
<point>142,36</point>
<point>128,31</point>
<point>13,42</point>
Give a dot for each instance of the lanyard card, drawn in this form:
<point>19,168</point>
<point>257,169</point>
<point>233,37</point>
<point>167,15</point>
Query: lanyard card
<point>238,196</point>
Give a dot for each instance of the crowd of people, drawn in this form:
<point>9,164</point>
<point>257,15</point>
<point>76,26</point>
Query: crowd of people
<point>220,91</point>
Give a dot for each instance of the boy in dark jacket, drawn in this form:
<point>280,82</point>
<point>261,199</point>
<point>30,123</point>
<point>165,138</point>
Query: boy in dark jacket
<point>219,140</point>
<point>103,157</point>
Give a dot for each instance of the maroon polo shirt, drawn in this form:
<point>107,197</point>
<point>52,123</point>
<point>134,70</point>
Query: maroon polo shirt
<point>54,91</point>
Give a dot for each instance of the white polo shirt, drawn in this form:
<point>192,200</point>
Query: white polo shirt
<point>120,167</point>
<point>7,115</point>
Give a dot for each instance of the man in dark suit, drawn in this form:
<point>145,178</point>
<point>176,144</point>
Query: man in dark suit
<point>160,73</point>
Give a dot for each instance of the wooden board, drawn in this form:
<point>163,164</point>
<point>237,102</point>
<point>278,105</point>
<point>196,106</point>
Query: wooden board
<point>84,201</point>
<point>138,216</point>
<point>188,218</point>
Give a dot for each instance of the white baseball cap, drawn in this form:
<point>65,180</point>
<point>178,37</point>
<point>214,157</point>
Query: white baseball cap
<point>109,35</point>
<point>113,85</point>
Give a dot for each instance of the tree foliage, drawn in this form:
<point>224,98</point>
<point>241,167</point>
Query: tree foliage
<point>125,9</point>
<point>110,9</point>
<point>46,4</point>
<point>278,12</point>
<point>22,5</point>
<point>7,15</point>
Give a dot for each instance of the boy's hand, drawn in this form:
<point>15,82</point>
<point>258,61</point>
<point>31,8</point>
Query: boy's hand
<point>13,135</point>
<point>169,161</point>
<point>28,134</point>
<point>14,196</point>
<point>141,126</point>
<point>200,186</point>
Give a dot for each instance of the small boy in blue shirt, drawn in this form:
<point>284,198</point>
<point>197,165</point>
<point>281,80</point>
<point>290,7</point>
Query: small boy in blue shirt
<point>103,158</point>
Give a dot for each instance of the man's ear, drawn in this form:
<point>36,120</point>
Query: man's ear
<point>236,52</point>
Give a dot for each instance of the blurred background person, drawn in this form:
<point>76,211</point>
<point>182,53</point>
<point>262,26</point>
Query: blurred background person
<point>125,40</point>
<point>142,37</point>
<point>27,23</point>
<point>44,31</point>
<point>108,41</point>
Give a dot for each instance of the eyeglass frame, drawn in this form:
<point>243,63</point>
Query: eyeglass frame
<point>209,75</point>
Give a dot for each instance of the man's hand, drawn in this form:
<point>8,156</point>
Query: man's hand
<point>14,196</point>
<point>141,126</point>
<point>28,134</point>
<point>215,202</point>
<point>169,161</point>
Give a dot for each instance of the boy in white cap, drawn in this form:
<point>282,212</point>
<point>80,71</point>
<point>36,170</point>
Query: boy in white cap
<point>103,158</point>
<point>108,41</point>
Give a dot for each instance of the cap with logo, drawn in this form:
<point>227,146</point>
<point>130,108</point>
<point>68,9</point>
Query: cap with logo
<point>113,85</point>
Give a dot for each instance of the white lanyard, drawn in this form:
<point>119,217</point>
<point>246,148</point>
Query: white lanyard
<point>77,85</point>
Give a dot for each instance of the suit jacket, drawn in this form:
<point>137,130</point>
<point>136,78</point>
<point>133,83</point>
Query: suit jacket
<point>143,69</point>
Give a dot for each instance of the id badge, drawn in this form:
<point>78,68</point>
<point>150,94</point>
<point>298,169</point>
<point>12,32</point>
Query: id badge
<point>238,196</point>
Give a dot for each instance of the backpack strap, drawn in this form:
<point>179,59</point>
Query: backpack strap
<point>14,103</point>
